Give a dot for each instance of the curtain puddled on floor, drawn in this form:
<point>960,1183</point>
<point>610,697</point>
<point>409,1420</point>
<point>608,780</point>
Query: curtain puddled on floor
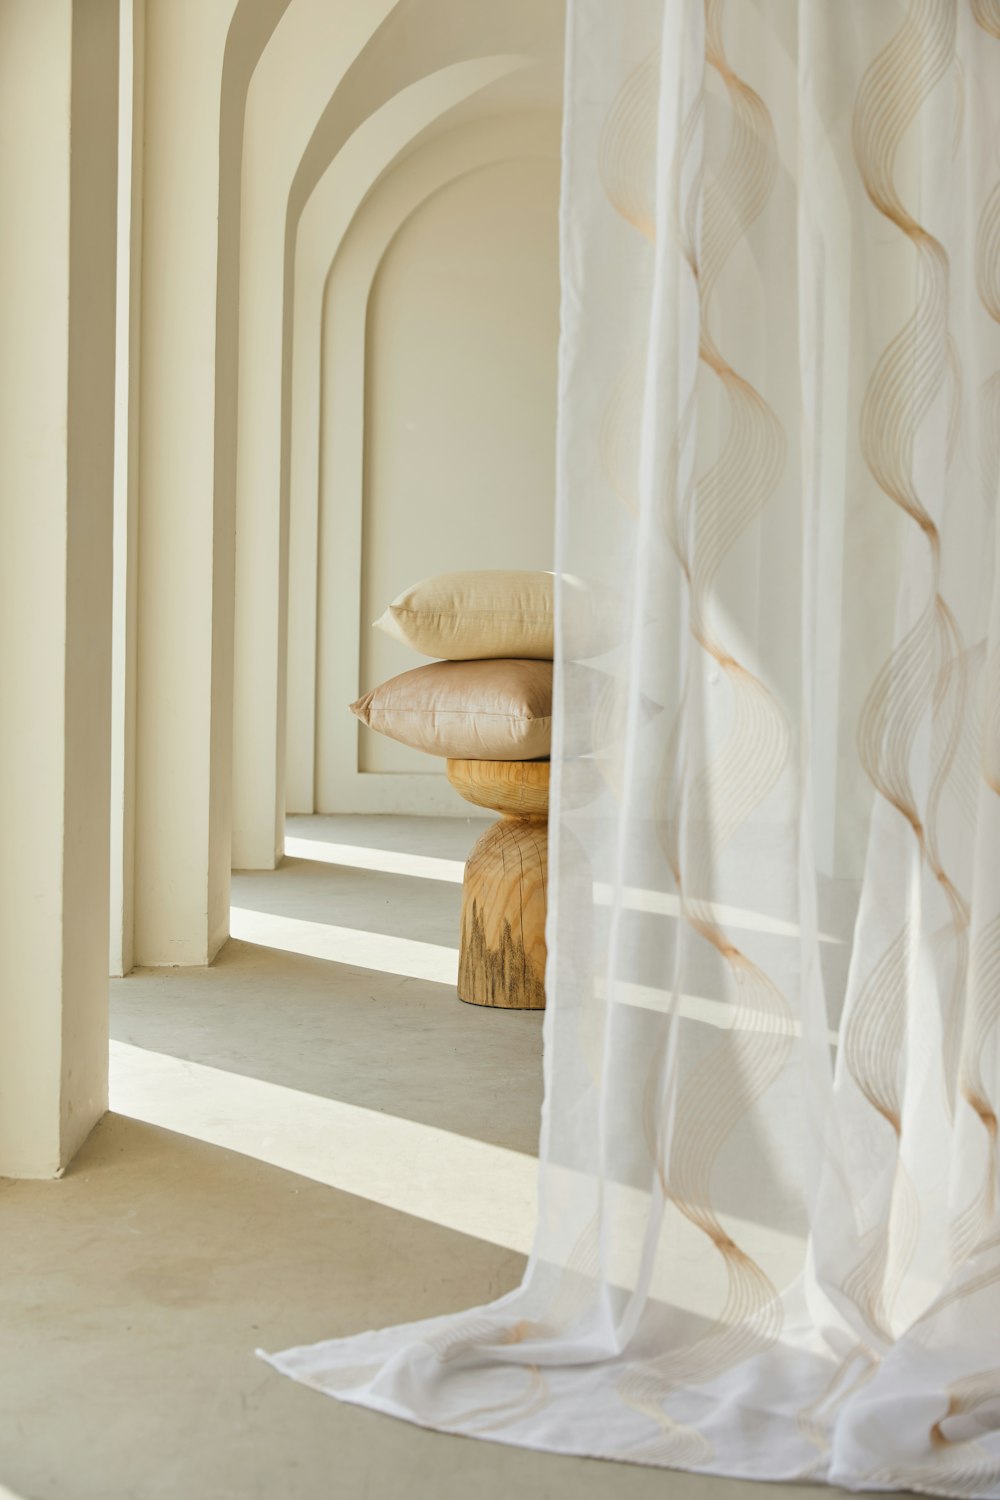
<point>769,1215</point>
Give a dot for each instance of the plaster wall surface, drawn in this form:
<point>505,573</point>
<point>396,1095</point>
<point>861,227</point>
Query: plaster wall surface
<point>200,58</point>
<point>58,165</point>
<point>431,64</point>
<point>421,60</point>
<point>460,402</point>
<point>35,62</point>
<point>311,48</point>
<point>326,449</point>
<point>181,905</point>
<point>365,76</point>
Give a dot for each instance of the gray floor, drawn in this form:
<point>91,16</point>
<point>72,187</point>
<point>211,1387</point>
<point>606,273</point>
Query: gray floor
<point>134,1291</point>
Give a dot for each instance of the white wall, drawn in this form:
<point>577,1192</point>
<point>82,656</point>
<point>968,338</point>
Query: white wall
<point>366,193</point>
<point>58,171</point>
<point>460,402</point>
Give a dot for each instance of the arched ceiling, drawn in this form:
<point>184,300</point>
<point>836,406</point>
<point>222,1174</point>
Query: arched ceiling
<point>413,37</point>
<point>331,94</point>
<point>424,36</point>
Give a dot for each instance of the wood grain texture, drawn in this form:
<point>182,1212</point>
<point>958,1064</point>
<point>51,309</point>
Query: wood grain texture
<point>519,788</point>
<point>502,955</point>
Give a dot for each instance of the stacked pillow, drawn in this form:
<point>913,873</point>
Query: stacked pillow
<point>490,698</point>
<point>476,616</point>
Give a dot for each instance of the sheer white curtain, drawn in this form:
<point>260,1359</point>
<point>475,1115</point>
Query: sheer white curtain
<point>769,1231</point>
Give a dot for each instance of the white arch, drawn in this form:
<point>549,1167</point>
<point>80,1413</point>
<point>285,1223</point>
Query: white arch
<point>314,44</point>
<point>322,231</point>
<point>333,737</point>
<point>261,636</point>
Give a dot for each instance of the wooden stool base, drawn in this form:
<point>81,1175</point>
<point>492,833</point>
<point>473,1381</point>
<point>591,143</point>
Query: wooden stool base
<point>502,955</point>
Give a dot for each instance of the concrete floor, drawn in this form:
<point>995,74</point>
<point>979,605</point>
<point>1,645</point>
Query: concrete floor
<point>310,1138</point>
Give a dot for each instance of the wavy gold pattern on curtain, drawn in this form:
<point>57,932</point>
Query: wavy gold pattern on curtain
<point>967,1398</point>
<point>988,288</point>
<point>984,1014</point>
<point>903,388</point>
<point>985,977</point>
<point>499,1414</point>
<point>707,519</point>
<point>678,509</point>
<point>815,1421</point>
<point>477,1337</point>
<point>987,15</point>
<point>873,1047</point>
<point>957,1464</point>
<point>967,777</point>
<point>983,1008</point>
<point>988,255</point>
<point>779,1068</point>
<point>627,166</point>
<point>954,1463</point>
<point>965,1286</point>
<point>571,1296</point>
<point>627,153</point>
<point>950,712</point>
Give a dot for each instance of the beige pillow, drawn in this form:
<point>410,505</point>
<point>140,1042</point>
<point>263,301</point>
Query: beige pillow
<point>476,616</point>
<point>468,710</point>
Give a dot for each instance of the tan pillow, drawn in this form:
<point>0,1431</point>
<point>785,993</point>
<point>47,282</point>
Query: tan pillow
<point>468,710</point>
<point>476,616</point>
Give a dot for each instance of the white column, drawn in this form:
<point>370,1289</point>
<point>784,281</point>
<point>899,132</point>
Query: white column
<point>183,708</point>
<point>123,684</point>
<point>58,166</point>
<point>200,57</point>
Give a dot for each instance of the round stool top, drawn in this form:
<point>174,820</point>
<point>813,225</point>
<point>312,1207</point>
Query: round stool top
<point>519,788</point>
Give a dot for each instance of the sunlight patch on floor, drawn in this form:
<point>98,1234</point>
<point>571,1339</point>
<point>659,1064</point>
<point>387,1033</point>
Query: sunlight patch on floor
<point>383,952</point>
<point>462,1184</point>
<point>427,867</point>
<point>383,861</point>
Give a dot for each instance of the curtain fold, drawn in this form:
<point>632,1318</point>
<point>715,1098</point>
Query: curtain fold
<point>769,1204</point>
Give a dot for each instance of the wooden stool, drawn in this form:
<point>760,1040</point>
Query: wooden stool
<point>502,957</point>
